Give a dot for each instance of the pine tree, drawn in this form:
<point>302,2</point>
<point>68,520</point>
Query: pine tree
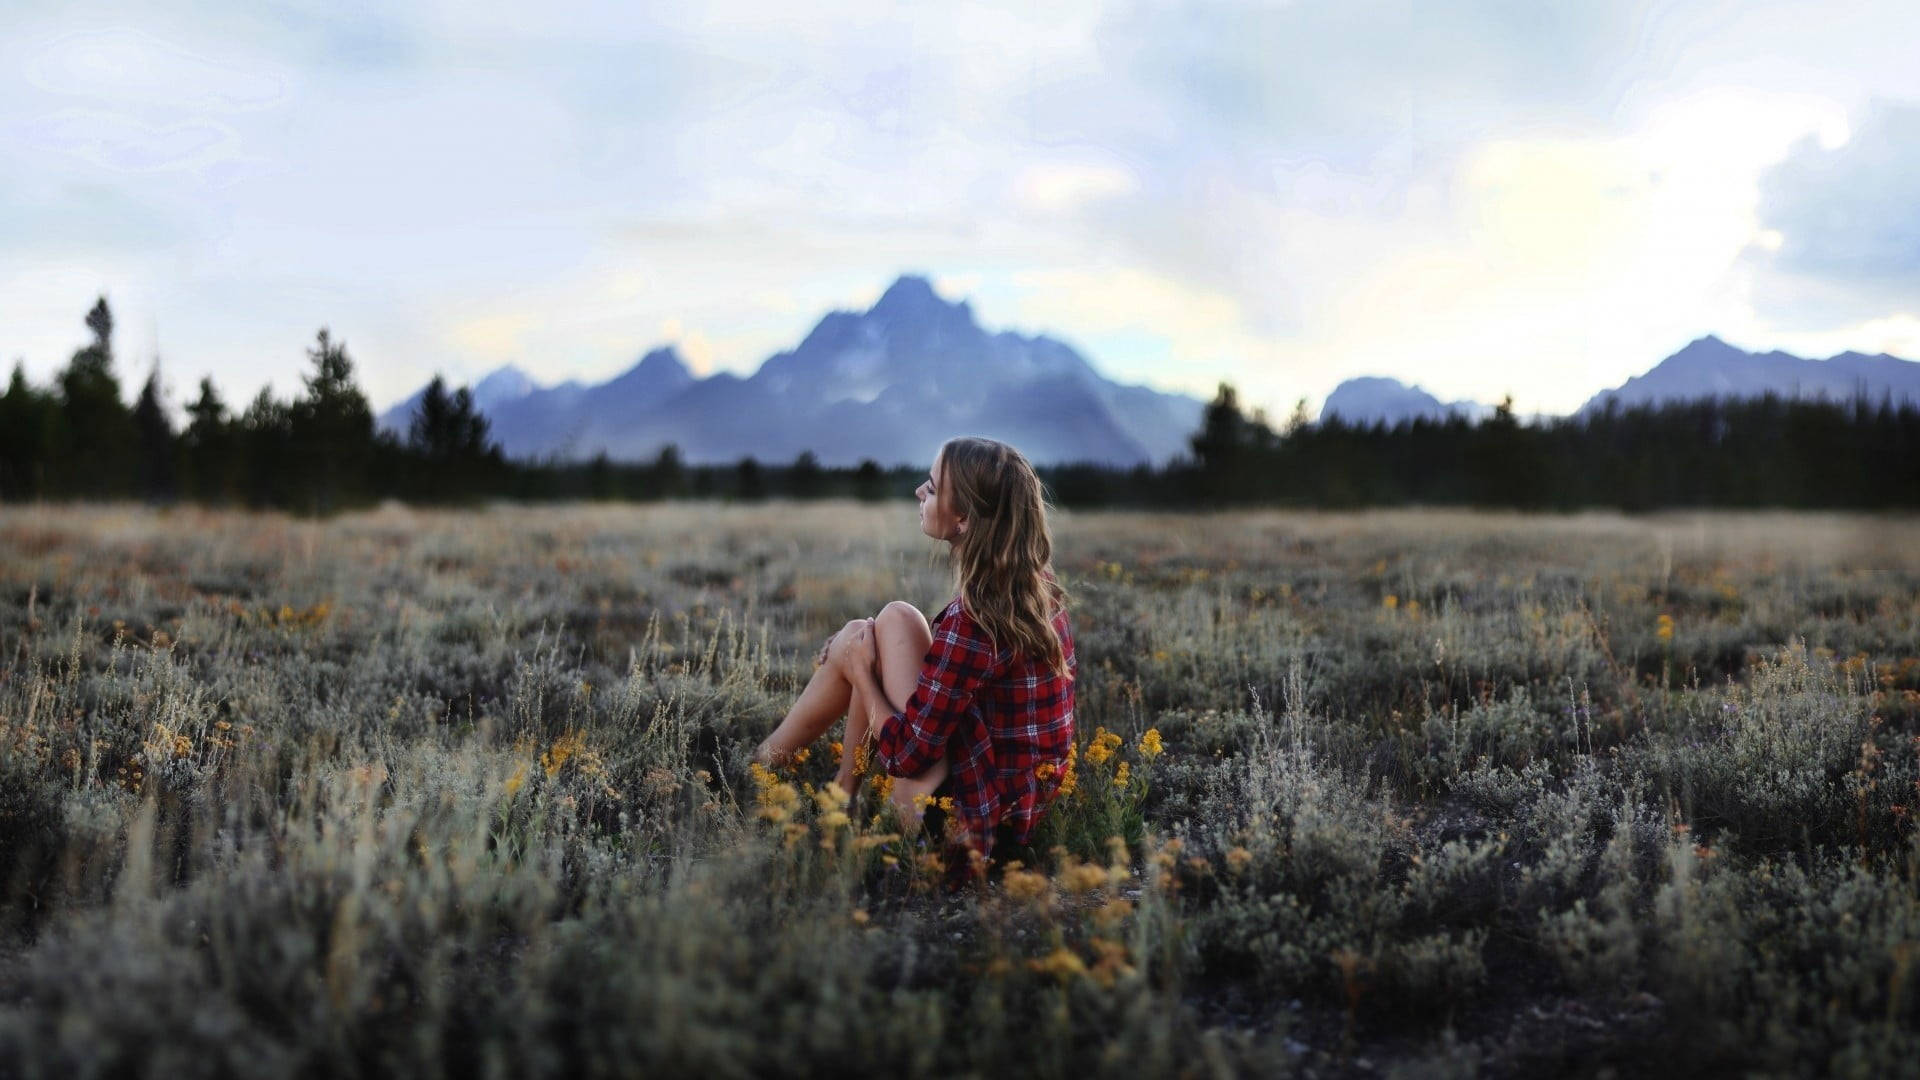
<point>157,449</point>
<point>331,429</point>
<point>28,424</point>
<point>209,447</point>
<point>97,440</point>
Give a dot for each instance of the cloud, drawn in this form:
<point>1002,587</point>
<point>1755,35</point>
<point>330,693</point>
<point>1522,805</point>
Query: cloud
<point>1847,219</point>
<point>124,65</point>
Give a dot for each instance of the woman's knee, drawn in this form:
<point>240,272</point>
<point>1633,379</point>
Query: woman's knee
<point>899,613</point>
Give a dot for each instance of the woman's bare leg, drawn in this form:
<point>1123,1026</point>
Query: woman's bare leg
<point>851,742</point>
<point>901,640</point>
<point>823,701</point>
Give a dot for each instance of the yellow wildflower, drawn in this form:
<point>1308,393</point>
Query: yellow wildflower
<point>1150,744</point>
<point>1045,770</point>
<point>518,778</point>
<point>834,819</point>
<point>946,803</point>
<point>1120,776</point>
<point>1023,885</point>
<point>1663,627</point>
<point>1390,601</point>
<point>1082,877</point>
<point>1061,963</point>
<point>1238,859</point>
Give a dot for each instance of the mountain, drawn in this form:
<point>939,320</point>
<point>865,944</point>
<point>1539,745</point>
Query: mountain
<point>890,383</point>
<point>1709,367</point>
<point>1373,399</point>
<point>495,390</point>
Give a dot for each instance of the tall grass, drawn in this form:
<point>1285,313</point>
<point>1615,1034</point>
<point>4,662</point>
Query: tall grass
<point>466,793</point>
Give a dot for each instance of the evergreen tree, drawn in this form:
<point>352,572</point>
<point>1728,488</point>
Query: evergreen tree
<point>265,438</point>
<point>669,475</point>
<point>28,425</point>
<point>155,433</point>
<point>428,431</point>
<point>869,482</point>
<point>748,482</point>
<point>97,436</point>
<point>209,447</point>
<point>804,480</point>
<point>331,430</point>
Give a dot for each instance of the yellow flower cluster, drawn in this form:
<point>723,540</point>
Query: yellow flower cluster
<point>1150,744</point>
<point>1663,627</point>
<point>777,798</point>
<point>1103,745</point>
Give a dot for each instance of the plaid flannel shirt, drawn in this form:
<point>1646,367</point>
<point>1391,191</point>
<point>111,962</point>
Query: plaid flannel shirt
<point>997,716</point>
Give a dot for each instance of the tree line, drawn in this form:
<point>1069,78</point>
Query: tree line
<point>321,451</point>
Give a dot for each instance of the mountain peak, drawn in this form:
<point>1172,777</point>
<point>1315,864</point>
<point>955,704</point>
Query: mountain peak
<point>1380,399</point>
<point>1708,367</point>
<point>666,358</point>
<point>503,383</point>
<point>908,291</point>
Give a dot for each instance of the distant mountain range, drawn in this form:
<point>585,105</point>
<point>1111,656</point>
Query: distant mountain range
<point>890,383</point>
<point>1708,367</point>
<point>1705,368</point>
<point>1376,399</point>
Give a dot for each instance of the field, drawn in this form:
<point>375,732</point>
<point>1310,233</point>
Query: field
<point>1417,793</point>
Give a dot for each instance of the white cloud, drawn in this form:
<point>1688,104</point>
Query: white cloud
<point>1477,197</point>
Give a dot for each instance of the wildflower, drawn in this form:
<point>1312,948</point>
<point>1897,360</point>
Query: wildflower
<point>837,749</point>
<point>922,802</point>
<point>1045,770</point>
<point>1082,877</point>
<point>563,748</point>
<point>1150,745</point>
<point>1023,885</point>
<point>1120,777</point>
<point>1238,859</point>
<point>1103,745</point>
<point>1061,963</point>
<point>1663,627</point>
<point>518,778</point>
<point>834,819</point>
<point>946,803</point>
<point>1390,601</point>
<point>1112,962</point>
<point>860,917</point>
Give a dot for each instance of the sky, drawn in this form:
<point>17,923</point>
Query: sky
<point>1483,198</point>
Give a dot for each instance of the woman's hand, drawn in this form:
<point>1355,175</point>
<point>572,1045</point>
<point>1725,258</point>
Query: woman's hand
<point>851,648</point>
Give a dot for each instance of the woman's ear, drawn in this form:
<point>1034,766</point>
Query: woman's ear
<point>960,526</point>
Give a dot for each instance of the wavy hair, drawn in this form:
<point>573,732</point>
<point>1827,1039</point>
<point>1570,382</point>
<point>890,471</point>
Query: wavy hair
<point>1004,559</point>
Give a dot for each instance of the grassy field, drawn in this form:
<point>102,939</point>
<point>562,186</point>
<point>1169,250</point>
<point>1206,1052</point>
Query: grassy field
<point>1425,794</point>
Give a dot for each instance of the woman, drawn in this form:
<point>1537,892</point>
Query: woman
<point>979,705</point>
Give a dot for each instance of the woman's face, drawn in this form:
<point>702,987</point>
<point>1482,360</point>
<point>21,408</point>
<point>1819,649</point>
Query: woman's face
<point>936,518</point>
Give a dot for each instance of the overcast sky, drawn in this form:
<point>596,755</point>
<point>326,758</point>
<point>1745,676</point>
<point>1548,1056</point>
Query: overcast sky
<point>1484,198</point>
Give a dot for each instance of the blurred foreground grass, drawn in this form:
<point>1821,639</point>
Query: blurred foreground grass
<point>1429,793</point>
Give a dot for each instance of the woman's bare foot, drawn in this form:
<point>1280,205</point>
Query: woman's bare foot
<point>772,757</point>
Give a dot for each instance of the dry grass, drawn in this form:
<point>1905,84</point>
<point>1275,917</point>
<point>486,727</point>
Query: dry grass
<point>414,791</point>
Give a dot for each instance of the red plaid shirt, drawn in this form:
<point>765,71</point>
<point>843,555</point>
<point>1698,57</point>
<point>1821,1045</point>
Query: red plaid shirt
<point>996,715</point>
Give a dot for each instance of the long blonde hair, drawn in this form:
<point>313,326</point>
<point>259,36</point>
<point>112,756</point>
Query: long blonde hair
<point>1004,559</point>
